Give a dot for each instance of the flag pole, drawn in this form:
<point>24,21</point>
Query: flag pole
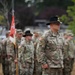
<point>15,45</point>
<point>12,7</point>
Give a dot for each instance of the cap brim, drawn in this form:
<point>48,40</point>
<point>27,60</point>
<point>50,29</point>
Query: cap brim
<point>27,35</point>
<point>53,22</point>
<point>47,23</point>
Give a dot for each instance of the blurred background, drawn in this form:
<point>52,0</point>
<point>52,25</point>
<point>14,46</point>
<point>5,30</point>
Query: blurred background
<point>34,14</point>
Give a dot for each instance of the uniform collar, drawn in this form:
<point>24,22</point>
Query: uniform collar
<point>53,34</point>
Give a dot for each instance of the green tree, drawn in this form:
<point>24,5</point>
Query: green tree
<point>70,17</point>
<point>2,20</point>
<point>5,9</point>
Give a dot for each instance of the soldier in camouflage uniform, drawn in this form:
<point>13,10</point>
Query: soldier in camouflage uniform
<point>19,35</point>
<point>0,51</point>
<point>68,53</point>
<point>1,70</point>
<point>5,64</point>
<point>8,49</point>
<point>50,47</point>
<point>11,55</point>
<point>37,65</point>
<point>27,54</point>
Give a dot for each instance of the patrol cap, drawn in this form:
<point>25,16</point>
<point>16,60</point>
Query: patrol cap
<point>69,33</point>
<point>19,31</point>
<point>54,20</point>
<point>35,32</point>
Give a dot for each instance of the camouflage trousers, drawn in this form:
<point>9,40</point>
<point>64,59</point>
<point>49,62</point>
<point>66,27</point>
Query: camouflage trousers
<point>52,71</point>
<point>37,69</point>
<point>12,67</point>
<point>27,70</point>
<point>5,66</point>
<point>68,66</point>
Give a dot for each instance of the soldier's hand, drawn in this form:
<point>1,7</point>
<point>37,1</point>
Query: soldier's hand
<point>68,38</point>
<point>68,58</point>
<point>45,66</point>
<point>23,66</point>
<point>40,38</point>
<point>16,61</point>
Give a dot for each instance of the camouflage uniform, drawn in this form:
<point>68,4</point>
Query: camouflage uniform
<point>1,70</point>
<point>27,58</point>
<point>50,52</point>
<point>5,64</point>
<point>37,65</point>
<point>19,46</point>
<point>11,51</point>
<point>0,51</point>
<point>68,56</point>
<point>18,41</point>
<point>19,34</point>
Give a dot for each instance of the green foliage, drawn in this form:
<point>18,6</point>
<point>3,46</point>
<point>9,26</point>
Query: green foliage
<point>71,14</point>
<point>64,19</point>
<point>71,11</point>
<point>72,26</point>
<point>73,1</point>
<point>2,20</point>
<point>70,17</point>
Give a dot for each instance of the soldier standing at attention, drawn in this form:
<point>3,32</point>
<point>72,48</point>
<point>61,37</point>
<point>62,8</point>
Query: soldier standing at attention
<point>50,47</point>
<point>19,35</point>
<point>37,66</point>
<point>27,54</point>
<point>11,55</point>
<point>5,64</point>
<point>1,70</point>
<point>69,52</point>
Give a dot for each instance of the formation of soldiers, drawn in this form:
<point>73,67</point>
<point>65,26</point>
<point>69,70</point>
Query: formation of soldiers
<point>39,54</point>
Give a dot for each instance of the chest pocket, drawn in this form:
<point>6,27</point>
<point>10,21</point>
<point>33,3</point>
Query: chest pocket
<point>53,43</point>
<point>27,49</point>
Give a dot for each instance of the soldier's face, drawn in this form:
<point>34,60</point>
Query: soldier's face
<point>55,27</point>
<point>19,35</point>
<point>36,34</point>
<point>29,37</point>
<point>65,36</point>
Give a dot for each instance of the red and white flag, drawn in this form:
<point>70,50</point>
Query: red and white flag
<point>12,30</point>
